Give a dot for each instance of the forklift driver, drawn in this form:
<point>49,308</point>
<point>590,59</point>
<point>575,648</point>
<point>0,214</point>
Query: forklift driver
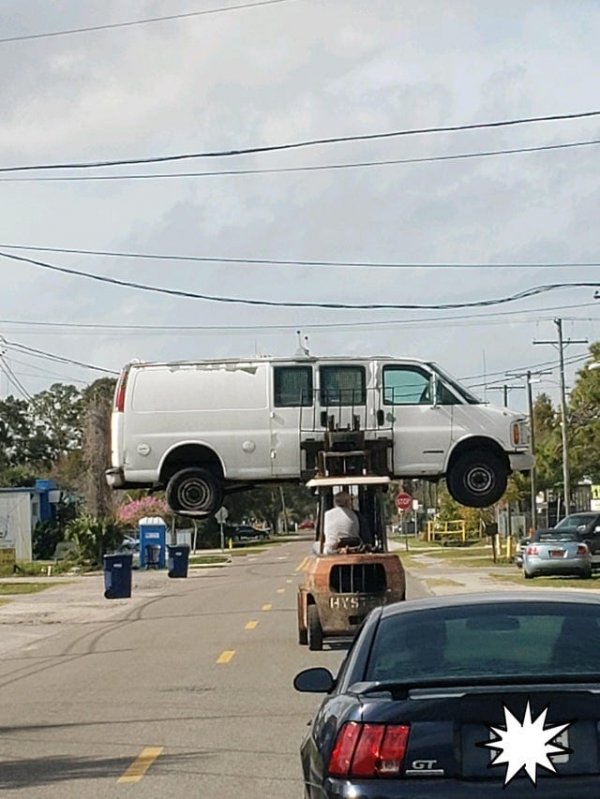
<point>341,525</point>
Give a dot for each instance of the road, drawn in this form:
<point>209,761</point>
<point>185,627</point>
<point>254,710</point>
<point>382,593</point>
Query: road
<point>189,694</point>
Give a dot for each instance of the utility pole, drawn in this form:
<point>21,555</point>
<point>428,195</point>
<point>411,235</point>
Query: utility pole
<point>560,344</point>
<point>505,389</point>
<point>529,375</point>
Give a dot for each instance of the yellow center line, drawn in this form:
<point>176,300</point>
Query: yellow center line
<point>266,607</point>
<point>226,656</point>
<point>302,565</point>
<point>252,625</point>
<point>141,764</point>
<point>281,590</point>
<point>289,582</point>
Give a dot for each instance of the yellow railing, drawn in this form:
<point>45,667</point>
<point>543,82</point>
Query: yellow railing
<point>456,528</point>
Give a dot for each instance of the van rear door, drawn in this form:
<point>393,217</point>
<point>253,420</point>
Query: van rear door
<point>293,408</point>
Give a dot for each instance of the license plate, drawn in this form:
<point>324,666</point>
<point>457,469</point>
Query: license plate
<point>557,553</point>
<point>350,602</point>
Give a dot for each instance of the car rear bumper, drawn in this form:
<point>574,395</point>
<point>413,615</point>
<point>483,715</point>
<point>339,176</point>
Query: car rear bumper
<point>558,566</point>
<point>548,787</point>
<point>521,461</point>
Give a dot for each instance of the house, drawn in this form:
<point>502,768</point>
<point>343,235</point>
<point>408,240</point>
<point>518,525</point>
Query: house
<point>20,510</point>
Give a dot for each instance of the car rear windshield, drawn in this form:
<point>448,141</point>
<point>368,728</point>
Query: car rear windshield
<point>487,641</point>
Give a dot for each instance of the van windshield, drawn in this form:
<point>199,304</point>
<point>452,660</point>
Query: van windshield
<point>460,390</point>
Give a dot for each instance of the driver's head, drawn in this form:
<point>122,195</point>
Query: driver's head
<point>342,500</point>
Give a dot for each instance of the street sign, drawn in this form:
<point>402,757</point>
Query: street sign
<point>221,515</point>
<point>404,501</point>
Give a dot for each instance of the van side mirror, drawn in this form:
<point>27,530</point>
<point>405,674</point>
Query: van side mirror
<point>380,418</point>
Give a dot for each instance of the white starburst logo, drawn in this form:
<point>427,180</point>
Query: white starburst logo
<point>526,745</point>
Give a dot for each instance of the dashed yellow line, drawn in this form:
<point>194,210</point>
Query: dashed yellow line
<point>252,625</point>
<point>302,565</point>
<point>281,590</point>
<point>226,656</point>
<point>141,764</point>
<point>289,582</point>
<point>267,607</point>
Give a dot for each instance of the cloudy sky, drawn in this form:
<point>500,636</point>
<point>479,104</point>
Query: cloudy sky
<point>286,72</point>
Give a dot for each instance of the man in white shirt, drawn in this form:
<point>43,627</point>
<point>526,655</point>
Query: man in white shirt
<point>340,522</point>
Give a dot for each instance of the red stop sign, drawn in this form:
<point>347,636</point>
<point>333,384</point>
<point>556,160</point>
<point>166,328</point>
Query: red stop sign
<point>404,501</point>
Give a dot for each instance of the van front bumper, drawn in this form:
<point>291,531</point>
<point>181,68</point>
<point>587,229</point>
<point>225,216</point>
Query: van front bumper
<point>115,478</point>
<point>521,461</point>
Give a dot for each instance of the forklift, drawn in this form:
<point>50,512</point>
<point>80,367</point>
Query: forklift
<point>340,589</point>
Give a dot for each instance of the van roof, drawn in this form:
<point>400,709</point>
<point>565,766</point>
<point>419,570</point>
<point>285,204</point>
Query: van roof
<point>278,359</point>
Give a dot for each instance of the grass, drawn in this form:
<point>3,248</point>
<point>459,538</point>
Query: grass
<point>548,582</point>
<point>208,560</point>
<point>12,589</point>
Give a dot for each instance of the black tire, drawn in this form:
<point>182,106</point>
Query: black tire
<point>477,478</point>
<point>586,575</point>
<point>528,576</point>
<point>195,492</point>
<point>315,631</point>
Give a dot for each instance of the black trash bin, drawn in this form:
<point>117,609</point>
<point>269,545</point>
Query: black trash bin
<point>178,559</point>
<point>117,576</point>
<point>153,556</point>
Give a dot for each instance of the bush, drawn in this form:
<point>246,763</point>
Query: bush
<point>94,537</point>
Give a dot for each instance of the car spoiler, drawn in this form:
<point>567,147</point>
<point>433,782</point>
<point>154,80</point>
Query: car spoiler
<point>477,684</point>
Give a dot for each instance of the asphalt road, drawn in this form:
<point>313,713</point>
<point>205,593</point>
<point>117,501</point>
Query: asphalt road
<point>188,695</point>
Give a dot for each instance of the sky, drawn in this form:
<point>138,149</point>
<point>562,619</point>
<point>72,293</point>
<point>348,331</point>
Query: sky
<point>287,72</point>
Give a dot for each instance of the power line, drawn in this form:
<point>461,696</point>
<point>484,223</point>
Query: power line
<point>298,262</point>
<point>133,22</point>
<point>291,169</point>
<point>477,319</point>
<point>521,295</point>
<point>298,144</point>
<point>23,348</point>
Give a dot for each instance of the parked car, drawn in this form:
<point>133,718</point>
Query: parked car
<point>520,552</point>
<point>587,526</point>
<point>246,532</point>
<point>556,552</point>
<point>131,546</point>
<point>427,685</point>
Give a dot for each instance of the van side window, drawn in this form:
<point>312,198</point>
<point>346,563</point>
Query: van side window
<point>406,385</point>
<point>293,386</point>
<point>343,385</point>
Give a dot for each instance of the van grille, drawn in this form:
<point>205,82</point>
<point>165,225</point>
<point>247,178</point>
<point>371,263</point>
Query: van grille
<point>358,578</point>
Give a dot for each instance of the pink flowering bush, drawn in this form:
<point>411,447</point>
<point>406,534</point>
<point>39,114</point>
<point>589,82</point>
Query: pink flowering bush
<point>131,512</point>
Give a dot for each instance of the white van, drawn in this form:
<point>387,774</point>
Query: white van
<point>203,429</point>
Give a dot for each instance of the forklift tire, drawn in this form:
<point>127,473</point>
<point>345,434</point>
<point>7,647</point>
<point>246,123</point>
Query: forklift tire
<point>302,636</point>
<point>315,631</point>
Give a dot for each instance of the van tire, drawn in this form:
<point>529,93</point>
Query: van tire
<point>315,631</point>
<point>195,492</point>
<point>477,478</point>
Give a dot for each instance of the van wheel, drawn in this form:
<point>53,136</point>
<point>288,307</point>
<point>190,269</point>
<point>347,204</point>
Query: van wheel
<point>196,492</point>
<point>477,479</point>
<point>315,631</point>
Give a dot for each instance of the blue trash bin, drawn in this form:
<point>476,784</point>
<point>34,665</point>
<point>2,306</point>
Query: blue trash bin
<point>178,559</point>
<point>117,576</point>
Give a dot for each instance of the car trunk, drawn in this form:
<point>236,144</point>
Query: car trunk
<point>450,726</point>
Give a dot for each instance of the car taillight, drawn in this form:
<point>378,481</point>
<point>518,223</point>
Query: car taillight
<point>120,392</point>
<point>369,750</point>
<point>532,550</point>
<point>582,550</point>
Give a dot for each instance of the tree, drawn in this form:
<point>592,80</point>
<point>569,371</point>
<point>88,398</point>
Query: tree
<point>584,421</point>
<point>57,413</point>
<point>96,448</point>
<point>548,447</point>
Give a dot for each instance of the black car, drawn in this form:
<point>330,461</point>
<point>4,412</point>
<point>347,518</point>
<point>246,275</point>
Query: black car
<point>469,697</point>
<point>587,527</point>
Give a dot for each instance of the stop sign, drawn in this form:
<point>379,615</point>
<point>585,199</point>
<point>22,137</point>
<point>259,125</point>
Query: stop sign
<point>404,501</point>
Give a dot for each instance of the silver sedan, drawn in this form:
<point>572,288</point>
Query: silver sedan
<point>556,552</point>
